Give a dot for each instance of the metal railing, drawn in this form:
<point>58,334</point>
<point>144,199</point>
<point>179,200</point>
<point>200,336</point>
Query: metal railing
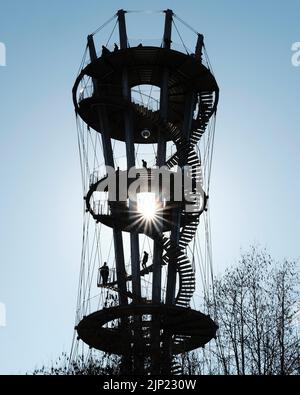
<point>101,207</point>
<point>86,90</point>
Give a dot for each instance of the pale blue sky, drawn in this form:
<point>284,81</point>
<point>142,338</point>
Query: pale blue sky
<point>255,191</point>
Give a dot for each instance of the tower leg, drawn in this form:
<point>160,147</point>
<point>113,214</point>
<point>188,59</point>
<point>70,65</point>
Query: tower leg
<point>138,360</point>
<point>156,299</point>
<point>161,360</point>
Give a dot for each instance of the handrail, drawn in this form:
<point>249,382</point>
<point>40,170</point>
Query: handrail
<point>87,91</point>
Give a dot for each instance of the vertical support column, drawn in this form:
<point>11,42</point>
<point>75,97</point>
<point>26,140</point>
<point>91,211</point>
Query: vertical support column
<point>175,232</point>
<point>161,157</point>
<point>191,96</point>
<point>161,146</point>
<point>172,267</point>
<point>130,154</point>
<point>109,161</point>
<point>171,281</point>
<point>138,361</point>
<point>199,47</point>
<point>156,361</point>
<point>176,215</point>
<point>122,29</point>
<point>168,29</point>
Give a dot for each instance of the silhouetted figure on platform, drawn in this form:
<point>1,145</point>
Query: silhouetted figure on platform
<point>116,48</point>
<point>144,163</point>
<point>104,272</point>
<point>105,51</point>
<point>145,260</point>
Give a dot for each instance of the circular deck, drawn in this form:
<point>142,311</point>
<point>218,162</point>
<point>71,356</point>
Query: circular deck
<point>145,65</point>
<point>118,213</point>
<point>189,328</point>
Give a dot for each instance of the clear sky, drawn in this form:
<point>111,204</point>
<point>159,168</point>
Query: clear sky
<point>255,190</point>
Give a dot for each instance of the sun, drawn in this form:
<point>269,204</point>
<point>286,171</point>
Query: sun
<point>146,205</point>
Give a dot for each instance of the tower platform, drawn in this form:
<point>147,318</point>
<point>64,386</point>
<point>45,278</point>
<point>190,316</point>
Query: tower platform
<point>188,328</point>
<point>145,66</point>
<point>129,219</point>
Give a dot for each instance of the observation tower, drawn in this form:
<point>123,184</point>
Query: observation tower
<point>143,112</point>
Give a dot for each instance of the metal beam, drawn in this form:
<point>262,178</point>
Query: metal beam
<point>167,40</point>
<point>138,361</point>
<point>109,161</point>
<point>91,46</point>
<point>161,145</point>
<point>190,102</point>
<point>130,155</point>
<point>199,47</point>
<point>172,266</point>
<point>156,366</point>
<point>122,29</point>
<point>176,217</point>
<point>168,29</point>
<point>120,265</point>
<point>161,157</point>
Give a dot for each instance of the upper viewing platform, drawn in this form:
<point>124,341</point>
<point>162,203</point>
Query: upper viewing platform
<point>100,85</point>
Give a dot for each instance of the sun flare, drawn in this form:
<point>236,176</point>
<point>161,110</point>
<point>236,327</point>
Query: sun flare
<point>146,205</point>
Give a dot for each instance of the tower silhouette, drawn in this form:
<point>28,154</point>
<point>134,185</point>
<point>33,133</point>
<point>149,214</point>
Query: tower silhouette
<point>146,330</point>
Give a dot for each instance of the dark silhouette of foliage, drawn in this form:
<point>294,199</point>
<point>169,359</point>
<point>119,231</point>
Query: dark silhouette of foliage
<point>256,305</point>
<point>103,365</point>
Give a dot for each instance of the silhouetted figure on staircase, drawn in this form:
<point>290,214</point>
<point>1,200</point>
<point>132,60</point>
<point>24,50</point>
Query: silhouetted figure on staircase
<point>144,163</point>
<point>145,260</point>
<point>104,272</point>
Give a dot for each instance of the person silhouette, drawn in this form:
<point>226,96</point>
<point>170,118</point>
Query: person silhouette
<point>104,272</point>
<point>145,260</point>
<point>144,163</point>
<point>116,48</point>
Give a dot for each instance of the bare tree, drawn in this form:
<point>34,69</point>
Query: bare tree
<point>83,365</point>
<point>255,304</point>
